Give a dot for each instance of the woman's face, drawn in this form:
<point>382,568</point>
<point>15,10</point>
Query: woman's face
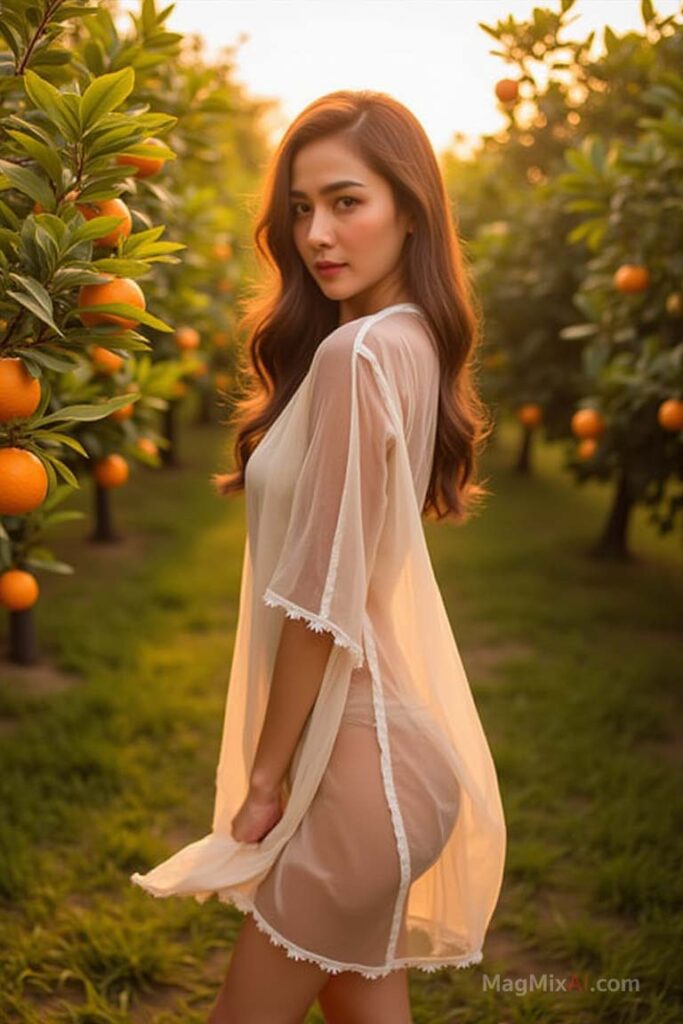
<point>356,225</point>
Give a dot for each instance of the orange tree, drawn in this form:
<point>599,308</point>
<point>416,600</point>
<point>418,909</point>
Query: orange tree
<point>57,161</point>
<point>632,300</point>
<point>220,144</point>
<point>530,266</point>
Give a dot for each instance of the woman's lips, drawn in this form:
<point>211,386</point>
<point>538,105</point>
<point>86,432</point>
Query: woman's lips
<point>330,271</point>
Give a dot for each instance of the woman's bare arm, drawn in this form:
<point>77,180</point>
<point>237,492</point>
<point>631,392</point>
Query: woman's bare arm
<point>298,671</point>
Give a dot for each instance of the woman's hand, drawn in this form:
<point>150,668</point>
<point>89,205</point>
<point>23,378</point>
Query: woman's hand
<point>259,813</point>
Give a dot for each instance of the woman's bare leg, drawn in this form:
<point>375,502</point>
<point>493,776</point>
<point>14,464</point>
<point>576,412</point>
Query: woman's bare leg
<point>349,998</point>
<point>265,986</point>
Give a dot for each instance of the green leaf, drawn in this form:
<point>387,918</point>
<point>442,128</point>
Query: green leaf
<point>70,442</point>
<point>123,309</point>
<point>576,332</point>
<point>61,568</point>
<point>103,95</point>
<point>53,103</point>
<point>42,357</point>
<point>29,183</point>
<point>84,413</point>
<point>37,301</point>
<point>46,156</point>
<point>9,216</point>
<point>67,515</point>
<point>123,268</point>
<point>63,470</point>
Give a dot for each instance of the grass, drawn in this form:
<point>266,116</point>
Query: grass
<point>108,752</point>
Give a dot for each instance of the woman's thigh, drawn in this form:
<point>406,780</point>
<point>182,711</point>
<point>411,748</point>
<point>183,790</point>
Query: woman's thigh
<point>349,998</point>
<point>263,985</point>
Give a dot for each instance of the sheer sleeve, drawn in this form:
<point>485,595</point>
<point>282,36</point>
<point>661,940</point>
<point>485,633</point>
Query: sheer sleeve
<point>340,499</point>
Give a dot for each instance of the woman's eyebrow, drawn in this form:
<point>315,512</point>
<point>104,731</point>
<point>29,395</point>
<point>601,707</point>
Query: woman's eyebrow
<point>328,188</point>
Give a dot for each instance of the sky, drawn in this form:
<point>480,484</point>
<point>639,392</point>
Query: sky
<point>431,55</point>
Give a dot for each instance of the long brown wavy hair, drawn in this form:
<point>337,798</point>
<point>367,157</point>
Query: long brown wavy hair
<point>288,315</point>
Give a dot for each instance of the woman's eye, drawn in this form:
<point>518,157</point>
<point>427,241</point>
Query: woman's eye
<point>350,199</point>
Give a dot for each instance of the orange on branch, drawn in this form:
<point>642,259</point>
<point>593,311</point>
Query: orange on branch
<point>109,208</point>
<point>145,166</point>
<point>587,423</point>
<point>124,413</point>
<point>507,90</point>
<point>105,361</point>
<point>670,415</point>
<point>530,414</point>
<point>116,289</point>
<point>19,391</point>
<point>147,445</point>
<point>187,338</point>
<point>18,590</point>
<point>587,448</point>
<point>222,250</point>
<point>23,481</point>
<point>631,277</point>
<point>111,471</point>
<point>220,339</point>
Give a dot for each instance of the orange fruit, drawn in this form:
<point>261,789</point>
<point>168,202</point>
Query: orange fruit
<point>187,338</point>
<point>222,250</point>
<point>507,90</point>
<point>18,590</point>
<point>670,414</point>
<point>146,444</point>
<point>111,471</point>
<point>109,208</point>
<point>23,481</point>
<point>124,413</point>
<point>631,277</point>
<point>70,197</point>
<point>587,448</point>
<point>19,391</point>
<point>104,360</point>
<point>220,338</point>
<point>530,414</point>
<point>179,389</point>
<point>145,166</point>
<point>587,423</point>
<point>116,289</point>
<point>224,285</point>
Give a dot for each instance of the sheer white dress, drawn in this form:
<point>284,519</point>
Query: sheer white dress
<point>391,849</point>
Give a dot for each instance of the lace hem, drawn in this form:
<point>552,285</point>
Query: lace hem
<point>315,622</point>
<point>295,952</point>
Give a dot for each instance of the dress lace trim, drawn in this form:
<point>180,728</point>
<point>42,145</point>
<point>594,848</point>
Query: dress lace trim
<point>390,792</point>
<point>317,623</point>
<point>295,952</point>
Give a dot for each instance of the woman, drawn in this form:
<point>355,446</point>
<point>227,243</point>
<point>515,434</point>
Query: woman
<point>358,820</point>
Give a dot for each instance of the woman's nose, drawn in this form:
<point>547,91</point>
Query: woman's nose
<point>320,228</point>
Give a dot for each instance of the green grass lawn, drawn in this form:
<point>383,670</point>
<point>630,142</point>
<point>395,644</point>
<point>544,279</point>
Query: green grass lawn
<point>108,752</point>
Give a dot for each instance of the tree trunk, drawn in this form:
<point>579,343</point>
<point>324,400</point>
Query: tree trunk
<point>169,456</point>
<point>23,644</point>
<point>523,464</point>
<point>613,544</point>
<point>205,410</point>
<point>104,531</point>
